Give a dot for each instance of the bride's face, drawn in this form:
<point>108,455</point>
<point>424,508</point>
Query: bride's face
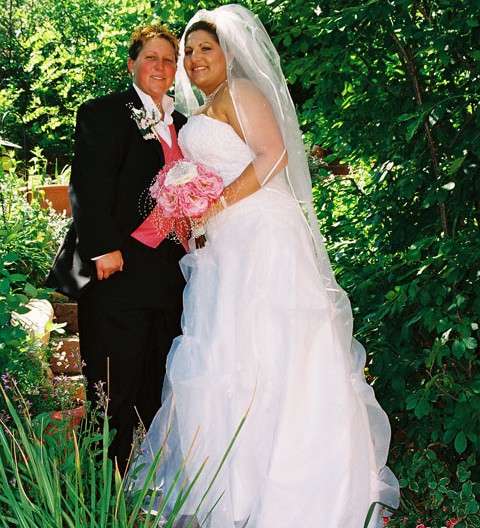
<point>204,61</point>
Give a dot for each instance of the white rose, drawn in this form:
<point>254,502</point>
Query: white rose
<point>182,172</point>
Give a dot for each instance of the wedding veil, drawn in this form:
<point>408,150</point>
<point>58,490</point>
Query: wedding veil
<point>251,55</point>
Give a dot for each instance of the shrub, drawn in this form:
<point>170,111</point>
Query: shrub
<point>416,312</point>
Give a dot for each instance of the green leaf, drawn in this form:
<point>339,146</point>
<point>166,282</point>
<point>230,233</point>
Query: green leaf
<point>406,117</point>
<point>449,435</point>
<point>470,343</point>
<point>413,127</point>
<point>460,443</point>
<point>21,298</point>
<point>22,310</point>
<point>17,277</point>
<point>422,409</point>
<point>455,165</point>
<point>30,290</point>
<point>472,507</point>
<point>9,258</point>
<point>462,474</point>
<point>4,286</point>
<point>466,490</point>
<point>458,348</point>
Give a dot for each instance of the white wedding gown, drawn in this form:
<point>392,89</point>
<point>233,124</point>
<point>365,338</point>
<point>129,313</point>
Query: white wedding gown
<point>264,330</point>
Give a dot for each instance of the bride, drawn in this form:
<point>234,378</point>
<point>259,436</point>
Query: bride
<point>267,332</point>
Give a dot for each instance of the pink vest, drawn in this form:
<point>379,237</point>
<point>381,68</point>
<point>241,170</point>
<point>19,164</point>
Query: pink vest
<point>151,232</point>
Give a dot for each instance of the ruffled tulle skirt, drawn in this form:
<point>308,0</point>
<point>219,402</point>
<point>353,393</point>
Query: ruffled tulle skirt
<point>267,337</point>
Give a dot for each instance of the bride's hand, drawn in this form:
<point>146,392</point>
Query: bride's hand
<point>198,232</point>
<point>198,227</point>
<point>198,224</point>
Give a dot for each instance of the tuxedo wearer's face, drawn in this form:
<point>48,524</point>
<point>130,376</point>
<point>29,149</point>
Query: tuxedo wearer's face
<point>154,69</point>
<point>204,61</point>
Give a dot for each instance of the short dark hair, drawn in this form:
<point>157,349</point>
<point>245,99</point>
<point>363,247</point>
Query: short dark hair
<point>203,25</point>
<point>144,33</point>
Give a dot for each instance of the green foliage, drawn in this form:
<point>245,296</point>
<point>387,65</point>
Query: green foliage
<point>57,473</point>
<point>79,53</point>
<point>29,237</point>
<point>27,229</point>
<point>22,358</point>
<point>417,314</point>
<point>390,87</point>
<point>394,85</point>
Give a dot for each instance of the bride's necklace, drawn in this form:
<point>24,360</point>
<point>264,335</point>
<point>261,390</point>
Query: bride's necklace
<point>210,97</point>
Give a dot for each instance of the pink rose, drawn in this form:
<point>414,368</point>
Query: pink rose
<point>193,205</point>
<point>168,203</point>
<point>211,187</point>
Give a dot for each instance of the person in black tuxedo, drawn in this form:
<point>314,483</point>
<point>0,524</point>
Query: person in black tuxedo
<point>130,310</point>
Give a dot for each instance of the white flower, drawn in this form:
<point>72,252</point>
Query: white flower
<point>182,172</point>
<point>144,120</point>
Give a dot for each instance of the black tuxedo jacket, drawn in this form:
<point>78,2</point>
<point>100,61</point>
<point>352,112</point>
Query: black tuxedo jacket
<point>112,168</point>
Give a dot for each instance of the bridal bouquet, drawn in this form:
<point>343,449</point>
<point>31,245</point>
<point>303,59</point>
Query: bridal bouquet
<point>182,190</point>
<point>186,189</point>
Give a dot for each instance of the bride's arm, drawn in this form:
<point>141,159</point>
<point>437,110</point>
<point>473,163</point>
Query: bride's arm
<point>262,134</point>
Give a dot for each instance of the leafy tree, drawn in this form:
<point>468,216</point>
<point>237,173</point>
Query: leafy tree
<point>390,87</point>
<point>80,52</point>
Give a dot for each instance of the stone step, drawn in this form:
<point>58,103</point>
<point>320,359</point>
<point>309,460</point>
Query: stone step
<point>79,381</point>
<point>67,312</point>
<point>66,356</point>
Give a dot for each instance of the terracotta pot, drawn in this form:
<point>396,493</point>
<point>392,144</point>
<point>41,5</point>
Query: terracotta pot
<point>53,196</point>
<point>71,419</point>
<point>72,416</point>
<point>339,169</point>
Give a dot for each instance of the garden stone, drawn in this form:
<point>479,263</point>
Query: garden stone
<point>35,321</point>
<point>66,312</point>
<point>66,358</point>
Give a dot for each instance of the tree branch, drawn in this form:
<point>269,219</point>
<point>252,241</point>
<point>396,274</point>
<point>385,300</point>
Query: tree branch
<point>406,53</point>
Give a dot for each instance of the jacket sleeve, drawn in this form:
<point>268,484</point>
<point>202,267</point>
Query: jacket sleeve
<point>96,162</point>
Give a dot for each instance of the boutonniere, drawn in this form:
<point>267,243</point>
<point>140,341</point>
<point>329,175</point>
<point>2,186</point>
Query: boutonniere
<point>145,120</point>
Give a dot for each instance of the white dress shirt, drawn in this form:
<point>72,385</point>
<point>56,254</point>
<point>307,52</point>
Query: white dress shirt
<point>161,128</point>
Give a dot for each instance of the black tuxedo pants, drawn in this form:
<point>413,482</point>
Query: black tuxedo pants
<point>126,344</point>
